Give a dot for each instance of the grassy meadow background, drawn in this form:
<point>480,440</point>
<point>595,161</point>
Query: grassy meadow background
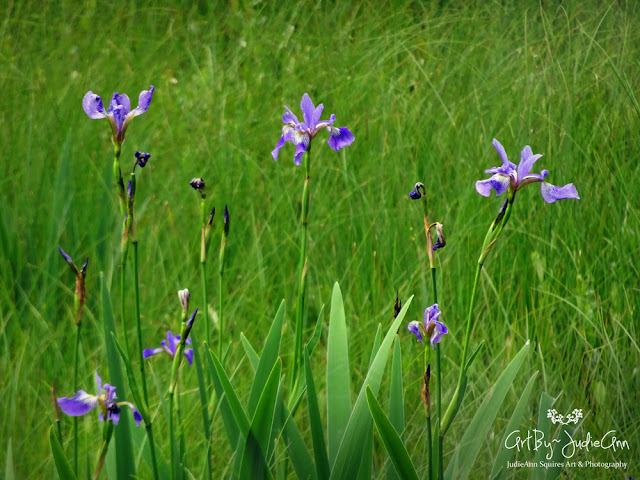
<point>425,87</point>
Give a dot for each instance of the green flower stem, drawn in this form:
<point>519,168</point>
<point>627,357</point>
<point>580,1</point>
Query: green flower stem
<point>172,437</point>
<point>203,269</point>
<point>223,244</point>
<point>175,366</point>
<point>203,400</point>
<point>148,426</point>
<point>107,433</point>
<point>204,405</point>
<point>490,239</point>
<point>438,385</point>
<point>432,264</point>
<point>117,176</point>
<point>427,401</point>
<point>302,268</point>
<point>76,387</point>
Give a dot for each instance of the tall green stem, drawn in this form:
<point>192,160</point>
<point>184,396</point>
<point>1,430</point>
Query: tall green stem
<point>302,267</point>
<point>438,384</point>
<point>457,396</point>
<point>427,404</point>
<point>140,358</point>
<point>196,347</point>
<point>76,387</point>
<point>223,245</point>
<point>172,440</point>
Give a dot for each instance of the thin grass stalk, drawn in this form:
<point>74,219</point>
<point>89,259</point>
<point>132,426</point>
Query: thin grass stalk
<point>76,387</point>
<point>438,385</point>
<point>172,441</point>
<point>136,291</point>
<point>426,400</point>
<point>302,268</point>
<point>223,245</point>
<point>205,309</point>
<point>203,269</point>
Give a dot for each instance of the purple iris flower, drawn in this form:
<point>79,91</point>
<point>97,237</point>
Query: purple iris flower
<point>508,176</point>
<point>84,402</point>
<point>301,133</point>
<point>119,112</point>
<point>169,346</point>
<point>431,326</point>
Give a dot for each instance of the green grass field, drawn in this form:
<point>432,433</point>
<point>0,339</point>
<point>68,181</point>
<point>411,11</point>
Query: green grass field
<point>425,87</point>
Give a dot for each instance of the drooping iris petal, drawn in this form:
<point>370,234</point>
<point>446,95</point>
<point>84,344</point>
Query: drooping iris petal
<point>149,352</point>
<point>172,341</point>
<point>551,193</point>
<point>188,352</point>
<point>439,330</point>
<point>92,106</point>
<point>499,182</point>
<point>301,148</point>
<point>80,404</point>
<point>340,137</point>
<point>414,327</point>
<point>136,414</point>
<point>286,136</point>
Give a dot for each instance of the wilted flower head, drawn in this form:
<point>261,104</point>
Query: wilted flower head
<point>119,112</point>
<point>169,346</point>
<point>510,177</point>
<point>440,241</point>
<point>84,402</point>
<point>415,193</point>
<point>301,133</point>
<point>142,158</point>
<point>430,326</point>
<point>199,185</point>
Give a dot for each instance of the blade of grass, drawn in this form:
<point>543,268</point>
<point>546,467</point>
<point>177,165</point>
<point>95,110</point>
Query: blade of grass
<point>267,359</point>
<point>233,415</point>
<point>366,466</point>
<point>338,375</point>
<point>349,454</point>
<point>254,454</point>
<point>544,426</point>
<point>317,432</point>
<point>392,441</point>
<point>396,402</point>
<point>474,437</point>
<point>505,455</point>
<point>311,345</point>
<point>62,463</point>
<point>123,444</point>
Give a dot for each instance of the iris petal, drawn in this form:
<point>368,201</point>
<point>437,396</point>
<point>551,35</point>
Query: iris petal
<point>308,110</point>
<point>551,193</point>
<point>144,100</point>
<point>499,182</point>
<point>93,106</point>
<point>80,404</point>
<point>414,327</point>
<point>339,138</point>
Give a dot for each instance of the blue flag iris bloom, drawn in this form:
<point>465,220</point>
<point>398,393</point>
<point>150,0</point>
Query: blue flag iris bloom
<point>83,402</point>
<point>119,112</point>
<point>300,133</point>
